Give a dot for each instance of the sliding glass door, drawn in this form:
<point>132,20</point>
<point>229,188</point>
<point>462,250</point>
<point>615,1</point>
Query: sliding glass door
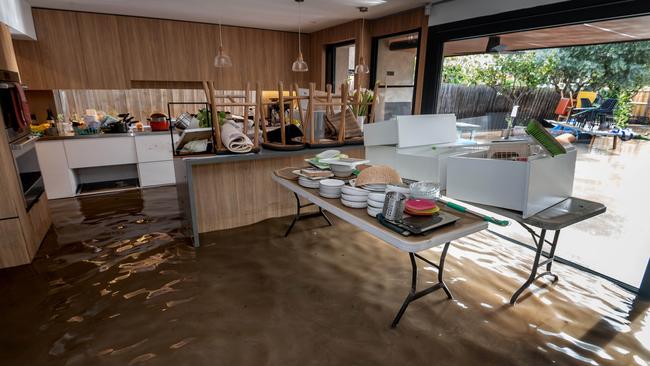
<point>395,67</point>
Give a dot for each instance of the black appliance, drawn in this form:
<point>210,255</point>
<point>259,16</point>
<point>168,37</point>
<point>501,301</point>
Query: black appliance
<point>21,142</point>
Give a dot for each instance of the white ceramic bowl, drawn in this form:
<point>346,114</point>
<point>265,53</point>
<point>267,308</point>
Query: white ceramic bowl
<point>340,170</point>
<point>354,191</point>
<point>353,198</point>
<point>375,196</point>
<point>332,183</point>
<point>376,204</point>
<point>353,204</point>
<point>330,195</point>
<point>373,211</point>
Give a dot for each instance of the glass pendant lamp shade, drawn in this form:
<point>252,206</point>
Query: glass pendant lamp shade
<point>299,65</point>
<point>361,68</point>
<point>221,59</point>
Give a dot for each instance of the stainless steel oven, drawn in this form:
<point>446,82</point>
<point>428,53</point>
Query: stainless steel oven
<point>21,142</point>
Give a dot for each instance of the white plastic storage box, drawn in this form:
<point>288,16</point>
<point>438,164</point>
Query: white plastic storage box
<point>529,187</point>
<point>410,131</point>
<point>423,163</point>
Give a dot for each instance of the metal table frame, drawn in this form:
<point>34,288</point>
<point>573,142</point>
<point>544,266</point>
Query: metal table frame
<point>299,216</point>
<point>555,218</point>
<point>391,238</point>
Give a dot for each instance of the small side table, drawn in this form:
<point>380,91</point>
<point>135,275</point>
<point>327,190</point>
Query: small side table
<point>566,213</point>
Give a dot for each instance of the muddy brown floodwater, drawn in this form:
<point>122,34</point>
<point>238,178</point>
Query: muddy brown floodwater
<point>115,283</point>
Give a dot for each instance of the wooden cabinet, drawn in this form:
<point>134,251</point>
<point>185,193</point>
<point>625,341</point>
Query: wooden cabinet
<point>101,51</point>
<point>7,55</point>
<point>77,50</point>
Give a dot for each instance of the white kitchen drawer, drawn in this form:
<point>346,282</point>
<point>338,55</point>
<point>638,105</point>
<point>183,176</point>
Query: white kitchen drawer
<point>153,147</point>
<point>59,180</point>
<point>100,151</point>
<point>156,173</point>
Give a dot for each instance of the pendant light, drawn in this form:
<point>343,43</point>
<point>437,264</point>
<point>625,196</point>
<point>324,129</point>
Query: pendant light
<point>299,65</point>
<point>361,67</point>
<point>221,59</point>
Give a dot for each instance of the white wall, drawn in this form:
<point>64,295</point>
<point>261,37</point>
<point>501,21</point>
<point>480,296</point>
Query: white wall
<point>17,14</point>
<point>467,9</point>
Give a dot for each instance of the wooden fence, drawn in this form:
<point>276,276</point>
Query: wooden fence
<point>479,100</point>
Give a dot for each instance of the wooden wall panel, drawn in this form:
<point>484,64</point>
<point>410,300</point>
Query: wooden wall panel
<point>409,20</point>
<point>319,41</point>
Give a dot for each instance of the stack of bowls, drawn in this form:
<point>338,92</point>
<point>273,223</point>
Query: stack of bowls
<point>341,170</point>
<point>308,183</point>
<point>354,197</point>
<point>375,203</point>
<point>330,188</point>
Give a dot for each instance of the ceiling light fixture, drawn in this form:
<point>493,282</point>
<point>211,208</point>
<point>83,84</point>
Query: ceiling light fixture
<point>361,67</point>
<point>299,65</point>
<point>221,59</point>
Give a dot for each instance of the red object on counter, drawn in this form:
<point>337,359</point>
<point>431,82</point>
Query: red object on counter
<point>159,125</point>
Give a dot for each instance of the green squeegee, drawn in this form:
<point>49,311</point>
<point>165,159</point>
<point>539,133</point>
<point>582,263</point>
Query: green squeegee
<point>464,209</point>
<point>544,138</point>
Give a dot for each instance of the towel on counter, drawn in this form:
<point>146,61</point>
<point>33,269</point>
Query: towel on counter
<point>234,139</point>
<point>332,125</point>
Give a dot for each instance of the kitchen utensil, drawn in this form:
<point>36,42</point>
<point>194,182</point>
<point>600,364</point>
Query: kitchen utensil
<point>329,195</point>
<point>404,189</point>
<point>425,190</point>
<point>308,183</point>
<point>353,204</point>
<point>183,121</point>
<point>544,138</point>
<point>353,191</point>
<point>158,122</point>
<point>372,211</point>
<point>378,174</point>
<point>353,198</point>
<point>387,223</point>
<point>460,208</point>
<point>340,170</point>
<point>394,206</point>
<point>375,187</point>
<point>376,204</point>
<point>376,196</point>
<point>422,225</point>
<point>332,183</point>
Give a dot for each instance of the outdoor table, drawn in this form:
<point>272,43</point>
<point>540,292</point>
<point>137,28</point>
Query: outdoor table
<point>468,224</point>
<point>462,127</point>
<point>566,213</point>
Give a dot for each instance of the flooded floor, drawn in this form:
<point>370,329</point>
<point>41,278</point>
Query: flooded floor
<point>115,284</point>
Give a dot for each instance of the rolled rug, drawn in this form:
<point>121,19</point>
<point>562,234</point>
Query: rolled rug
<point>233,139</point>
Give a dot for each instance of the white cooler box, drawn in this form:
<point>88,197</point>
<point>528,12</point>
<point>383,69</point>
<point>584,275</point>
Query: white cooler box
<point>529,187</point>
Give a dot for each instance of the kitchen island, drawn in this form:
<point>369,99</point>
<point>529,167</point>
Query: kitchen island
<point>218,192</point>
<point>73,165</point>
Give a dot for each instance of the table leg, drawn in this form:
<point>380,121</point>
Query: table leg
<point>299,216</point>
<point>539,242</point>
<point>413,293</point>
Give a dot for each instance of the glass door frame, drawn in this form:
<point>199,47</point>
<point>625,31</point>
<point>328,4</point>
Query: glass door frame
<point>544,16</point>
<point>374,53</point>
<point>330,60</point>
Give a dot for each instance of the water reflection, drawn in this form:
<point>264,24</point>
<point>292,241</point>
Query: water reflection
<point>124,287</point>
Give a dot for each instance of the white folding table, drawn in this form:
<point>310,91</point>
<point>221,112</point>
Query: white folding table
<point>468,224</point>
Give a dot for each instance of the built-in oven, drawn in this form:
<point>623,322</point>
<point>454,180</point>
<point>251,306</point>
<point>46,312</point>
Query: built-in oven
<point>21,142</point>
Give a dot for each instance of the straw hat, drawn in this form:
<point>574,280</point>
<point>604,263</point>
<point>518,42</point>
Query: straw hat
<point>378,174</point>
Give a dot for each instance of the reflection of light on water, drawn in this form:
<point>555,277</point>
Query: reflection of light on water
<point>578,343</point>
<point>571,353</point>
<point>643,335</point>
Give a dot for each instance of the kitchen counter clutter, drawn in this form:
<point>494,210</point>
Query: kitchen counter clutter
<point>73,165</point>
